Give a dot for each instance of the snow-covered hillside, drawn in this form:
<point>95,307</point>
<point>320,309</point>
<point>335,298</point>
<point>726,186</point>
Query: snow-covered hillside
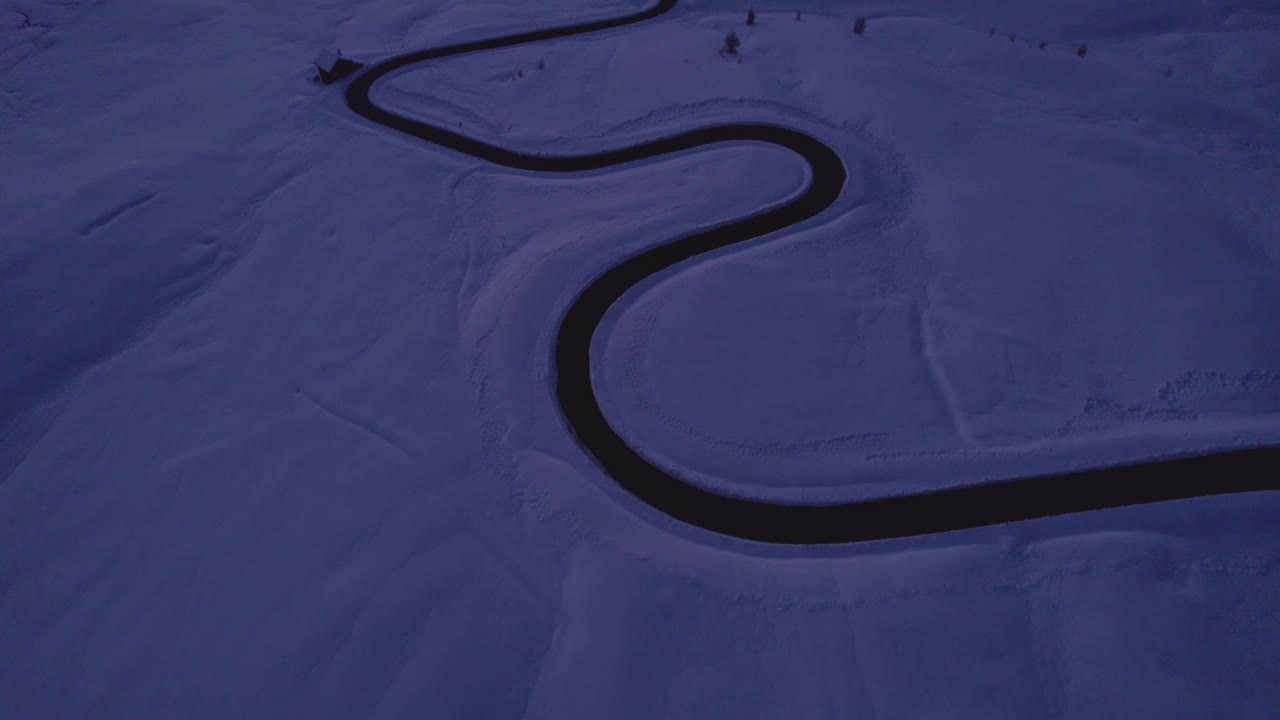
<point>277,437</point>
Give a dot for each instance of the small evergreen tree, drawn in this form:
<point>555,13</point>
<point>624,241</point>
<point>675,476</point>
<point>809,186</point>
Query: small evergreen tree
<point>1082,50</point>
<point>1043,44</point>
<point>797,14</point>
<point>860,25</point>
<point>731,43</point>
<point>751,16</point>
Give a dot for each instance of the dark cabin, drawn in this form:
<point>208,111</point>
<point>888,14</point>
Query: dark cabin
<point>331,66</point>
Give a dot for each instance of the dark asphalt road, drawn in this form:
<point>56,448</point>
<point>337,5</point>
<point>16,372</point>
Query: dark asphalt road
<point>991,503</point>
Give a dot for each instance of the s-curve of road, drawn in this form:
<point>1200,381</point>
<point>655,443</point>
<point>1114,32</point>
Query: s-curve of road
<point>969,506</point>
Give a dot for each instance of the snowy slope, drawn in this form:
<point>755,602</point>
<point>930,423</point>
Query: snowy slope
<point>276,438</point>
<point>957,333</point>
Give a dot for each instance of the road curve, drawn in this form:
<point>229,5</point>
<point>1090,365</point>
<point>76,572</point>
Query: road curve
<point>971,506</point>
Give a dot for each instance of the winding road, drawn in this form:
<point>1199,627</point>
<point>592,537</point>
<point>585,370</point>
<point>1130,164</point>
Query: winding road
<point>970,506</point>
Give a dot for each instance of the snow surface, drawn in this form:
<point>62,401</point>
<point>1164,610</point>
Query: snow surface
<point>276,434</point>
